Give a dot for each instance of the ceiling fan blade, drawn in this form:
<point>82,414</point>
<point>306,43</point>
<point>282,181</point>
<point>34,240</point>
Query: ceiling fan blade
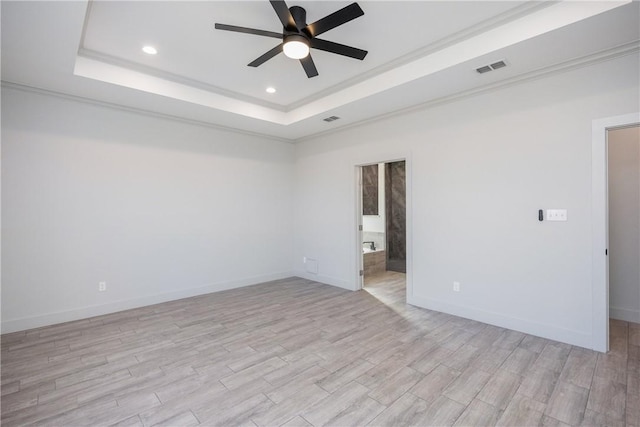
<point>267,56</point>
<point>337,18</point>
<point>248,31</point>
<point>309,66</point>
<point>283,13</point>
<point>338,48</point>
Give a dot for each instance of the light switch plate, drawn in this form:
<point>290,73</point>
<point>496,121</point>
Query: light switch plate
<point>556,214</point>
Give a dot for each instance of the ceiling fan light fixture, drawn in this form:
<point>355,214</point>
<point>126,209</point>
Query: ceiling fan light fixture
<point>296,47</point>
<point>298,37</point>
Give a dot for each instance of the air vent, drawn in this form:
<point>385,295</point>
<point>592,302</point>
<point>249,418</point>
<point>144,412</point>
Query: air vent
<point>331,119</point>
<point>491,67</point>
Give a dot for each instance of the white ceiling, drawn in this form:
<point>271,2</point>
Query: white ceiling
<point>419,53</point>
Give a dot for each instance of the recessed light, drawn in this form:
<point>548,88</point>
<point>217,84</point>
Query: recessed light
<point>150,50</point>
<point>271,90</point>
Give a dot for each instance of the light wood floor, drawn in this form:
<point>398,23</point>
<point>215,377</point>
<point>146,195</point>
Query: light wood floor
<point>297,353</point>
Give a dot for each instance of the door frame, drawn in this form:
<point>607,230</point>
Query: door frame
<point>357,236</point>
<point>600,224</point>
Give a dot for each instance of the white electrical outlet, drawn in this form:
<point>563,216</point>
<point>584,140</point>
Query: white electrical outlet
<point>456,286</point>
<point>311,265</point>
<point>102,286</point>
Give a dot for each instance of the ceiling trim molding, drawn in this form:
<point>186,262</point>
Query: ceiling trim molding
<point>584,61</point>
<point>165,75</point>
<point>140,111</point>
<point>502,32</point>
<point>464,34</point>
<point>580,62</point>
<point>125,77</point>
<point>474,30</point>
<point>122,63</point>
<point>541,21</point>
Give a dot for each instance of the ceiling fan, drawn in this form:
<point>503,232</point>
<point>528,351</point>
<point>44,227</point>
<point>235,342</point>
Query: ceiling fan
<point>298,36</point>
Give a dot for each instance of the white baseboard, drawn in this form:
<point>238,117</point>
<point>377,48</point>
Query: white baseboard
<point>624,314</point>
<point>327,280</point>
<point>551,332</point>
<point>21,324</point>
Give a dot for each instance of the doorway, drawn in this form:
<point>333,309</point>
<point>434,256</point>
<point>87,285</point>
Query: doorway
<point>623,188</point>
<point>600,230</point>
<point>383,236</point>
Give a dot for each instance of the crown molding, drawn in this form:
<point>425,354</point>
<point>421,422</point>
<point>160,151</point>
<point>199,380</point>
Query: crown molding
<point>140,111</point>
<point>452,39</point>
<point>123,63</point>
<point>521,23</point>
<point>580,62</point>
<point>464,34</point>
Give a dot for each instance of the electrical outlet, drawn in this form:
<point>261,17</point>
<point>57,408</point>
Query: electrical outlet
<point>456,286</point>
<point>311,265</point>
<point>102,286</point>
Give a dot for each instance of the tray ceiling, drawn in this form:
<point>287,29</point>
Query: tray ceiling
<point>419,52</point>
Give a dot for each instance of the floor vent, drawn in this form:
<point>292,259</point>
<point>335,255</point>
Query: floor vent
<point>491,67</point>
<point>331,119</point>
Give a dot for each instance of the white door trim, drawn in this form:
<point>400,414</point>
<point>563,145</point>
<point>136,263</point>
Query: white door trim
<point>600,223</point>
<point>359,254</point>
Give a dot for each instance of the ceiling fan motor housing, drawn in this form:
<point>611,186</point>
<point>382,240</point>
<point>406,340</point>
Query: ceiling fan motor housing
<point>299,15</point>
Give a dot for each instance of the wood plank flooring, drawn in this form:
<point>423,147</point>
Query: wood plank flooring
<point>298,353</point>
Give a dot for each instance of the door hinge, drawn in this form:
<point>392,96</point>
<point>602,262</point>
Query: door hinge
<point>362,272</point>
<point>606,252</point>
<point>360,227</point>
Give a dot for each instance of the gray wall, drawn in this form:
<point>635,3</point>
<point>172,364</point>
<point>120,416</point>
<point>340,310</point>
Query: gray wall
<point>624,223</point>
<point>158,209</point>
<point>478,170</point>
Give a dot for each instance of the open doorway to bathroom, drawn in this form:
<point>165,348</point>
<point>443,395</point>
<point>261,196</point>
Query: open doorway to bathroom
<point>384,230</point>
